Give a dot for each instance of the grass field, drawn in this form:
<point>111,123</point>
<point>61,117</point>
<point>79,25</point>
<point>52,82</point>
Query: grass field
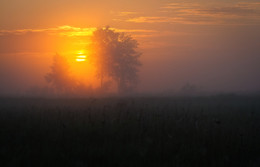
<point>130,132</point>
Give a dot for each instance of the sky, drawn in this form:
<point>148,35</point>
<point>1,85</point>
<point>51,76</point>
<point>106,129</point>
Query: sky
<point>211,44</point>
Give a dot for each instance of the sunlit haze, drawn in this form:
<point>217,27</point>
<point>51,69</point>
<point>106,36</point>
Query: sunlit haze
<point>130,83</point>
<point>211,46</point>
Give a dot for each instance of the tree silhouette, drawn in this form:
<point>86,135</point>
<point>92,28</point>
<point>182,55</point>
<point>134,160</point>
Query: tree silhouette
<point>59,76</point>
<point>116,56</point>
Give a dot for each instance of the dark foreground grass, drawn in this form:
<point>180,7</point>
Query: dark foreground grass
<point>130,132</point>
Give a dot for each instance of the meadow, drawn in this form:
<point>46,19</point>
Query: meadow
<point>208,131</point>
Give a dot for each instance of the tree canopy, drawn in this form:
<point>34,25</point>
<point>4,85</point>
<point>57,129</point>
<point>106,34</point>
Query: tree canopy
<point>116,57</point>
<point>59,76</point>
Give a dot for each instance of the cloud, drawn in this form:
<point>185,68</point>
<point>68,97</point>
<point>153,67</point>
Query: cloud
<point>244,13</point>
<point>134,30</point>
<point>61,30</point>
<point>170,20</point>
<point>150,19</point>
<point>240,10</point>
<point>60,38</point>
<point>69,31</point>
<point>178,6</point>
<point>127,13</point>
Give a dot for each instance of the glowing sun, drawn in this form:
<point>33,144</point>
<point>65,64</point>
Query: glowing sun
<point>81,57</point>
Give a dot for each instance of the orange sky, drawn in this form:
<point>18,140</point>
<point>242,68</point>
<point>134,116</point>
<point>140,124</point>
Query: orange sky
<point>214,45</point>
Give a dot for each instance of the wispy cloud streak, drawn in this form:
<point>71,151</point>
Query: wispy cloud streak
<point>68,31</point>
<point>243,13</point>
